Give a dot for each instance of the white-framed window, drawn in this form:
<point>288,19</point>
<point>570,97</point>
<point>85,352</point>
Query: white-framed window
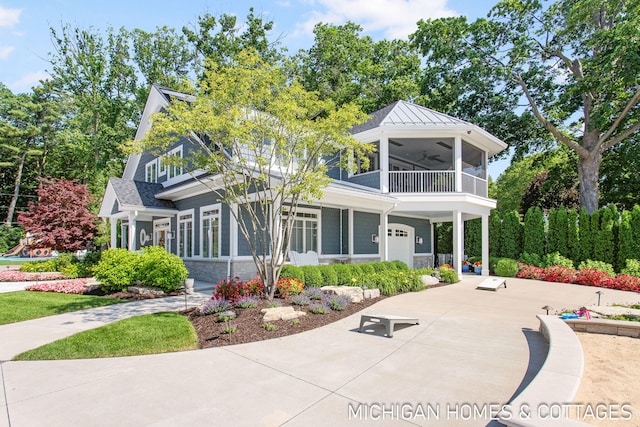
<point>304,234</point>
<point>124,234</point>
<point>185,233</point>
<point>151,171</point>
<point>162,167</point>
<point>174,170</point>
<point>210,231</point>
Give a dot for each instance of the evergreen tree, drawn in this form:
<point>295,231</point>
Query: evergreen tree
<point>561,230</point>
<point>534,239</point>
<point>473,237</point>
<point>511,235</point>
<point>635,231</point>
<point>552,231</point>
<point>625,241</point>
<point>585,237</point>
<point>603,248</point>
<point>495,234</point>
<point>573,240</point>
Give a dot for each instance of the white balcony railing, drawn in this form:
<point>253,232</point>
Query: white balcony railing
<point>435,182</point>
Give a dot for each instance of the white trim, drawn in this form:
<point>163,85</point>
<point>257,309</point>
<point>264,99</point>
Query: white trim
<point>203,209</point>
<point>178,152</point>
<point>318,220</point>
<point>153,165</point>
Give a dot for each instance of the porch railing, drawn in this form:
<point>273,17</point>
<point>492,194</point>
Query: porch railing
<point>435,182</point>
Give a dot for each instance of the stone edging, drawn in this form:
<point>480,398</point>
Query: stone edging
<point>605,326</point>
<point>556,383</point>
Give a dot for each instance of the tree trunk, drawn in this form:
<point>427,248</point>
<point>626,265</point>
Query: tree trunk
<point>589,174</point>
<point>16,188</point>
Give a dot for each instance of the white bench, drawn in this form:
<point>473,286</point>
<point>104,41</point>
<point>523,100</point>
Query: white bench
<point>307,258</point>
<point>388,321</point>
<point>492,283</point>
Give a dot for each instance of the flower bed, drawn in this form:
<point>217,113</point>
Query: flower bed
<point>584,276</point>
<point>21,276</point>
<point>73,286</point>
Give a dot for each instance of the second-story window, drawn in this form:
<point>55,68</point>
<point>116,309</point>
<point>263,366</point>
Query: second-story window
<point>151,171</point>
<point>174,168</point>
<point>374,161</point>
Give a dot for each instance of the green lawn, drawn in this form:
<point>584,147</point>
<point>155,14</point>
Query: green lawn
<point>25,305</point>
<point>15,262</point>
<point>147,334</point>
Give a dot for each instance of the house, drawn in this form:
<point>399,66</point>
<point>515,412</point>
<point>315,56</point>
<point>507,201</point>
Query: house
<point>428,167</point>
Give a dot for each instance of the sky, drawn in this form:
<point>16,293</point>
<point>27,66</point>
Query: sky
<point>25,41</point>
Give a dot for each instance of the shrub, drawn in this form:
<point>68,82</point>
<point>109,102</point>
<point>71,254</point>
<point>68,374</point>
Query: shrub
<point>530,272</point>
<point>38,266</point>
<point>354,275</point>
<point>597,265</point>
<point>329,276</point>
<point>343,273</point>
<point>531,259</point>
<point>74,286</point>
<point>301,299</point>
<point>117,268</point>
<point>400,265</point>
<point>448,275</point>
<point>338,302</point>
<point>247,301</point>
<point>632,268</point>
<point>230,289</point>
<point>287,287</point>
<point>312,276</point>
<point>507,268</point>
<point>229,329</point>
<point>159,268</point>
<point>367,268</point>
<point>378,266</point>
<point>20,276</point>
<point>292,272</point>
<point>534,239</point>
<point>313,293</point>
<point>269,326</point>
<point>624,282</point>
<point>555,258</point>
<point>318,308</point>
<point>592,277</point>
<point>215,305</point>
<point>254,287</point>
<point>559,273</point>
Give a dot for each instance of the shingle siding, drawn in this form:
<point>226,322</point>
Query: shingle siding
<point>370,179</point>
<point>422,228</point>
<point>364,225</point>
<point>331,231</point>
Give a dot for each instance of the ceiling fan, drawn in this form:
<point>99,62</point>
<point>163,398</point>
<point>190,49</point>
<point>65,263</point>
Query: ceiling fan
<point>435,157</point>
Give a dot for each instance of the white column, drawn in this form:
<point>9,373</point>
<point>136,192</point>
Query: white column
<point>132,231</point>
<point>485,245</point>
<point>114,232</point>
<point>383,238</point>
<point>233,231</point>
<point>457,162</point>
<point>384,163</point>
<point>350,229</point>
<point>457,242</point>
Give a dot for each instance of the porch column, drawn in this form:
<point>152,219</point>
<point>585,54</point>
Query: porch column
<point>132,231</point>
<point>457,163</point>
<point>383,239</point>
<point>384,164</point>
<point>457,242</point>
<point>350,228</point>
<point>485,245</point>
<point>114,232</point>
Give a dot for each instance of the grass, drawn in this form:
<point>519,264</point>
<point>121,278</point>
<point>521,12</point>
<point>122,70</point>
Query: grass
<point>24,305</point>
<point>15,262</point>
<point>147,334</point>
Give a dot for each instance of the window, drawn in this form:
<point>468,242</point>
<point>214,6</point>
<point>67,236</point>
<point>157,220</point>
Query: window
<point>473,160</point>
<point>374,163</point>
<point>151,171</point>
<point>210,231</point>
<point>185,234</point>
<point>304,234</point>
<point>174,169</point>
<point>162,167</point>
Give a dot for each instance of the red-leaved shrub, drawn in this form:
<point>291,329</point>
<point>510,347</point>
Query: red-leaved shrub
<point>530,272</point>
<point>626,283</point>
<point>593,277</point>
<point>558,273</point>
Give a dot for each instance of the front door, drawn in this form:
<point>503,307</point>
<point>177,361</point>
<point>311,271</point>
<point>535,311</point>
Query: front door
<point>400,241</point>
<point>161,229</point>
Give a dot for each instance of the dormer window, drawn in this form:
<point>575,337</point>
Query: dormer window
<point>174,168</point>
<point>151,171</point>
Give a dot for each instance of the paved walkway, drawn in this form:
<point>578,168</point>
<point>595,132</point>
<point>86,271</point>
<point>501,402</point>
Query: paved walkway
<point>472,349</point>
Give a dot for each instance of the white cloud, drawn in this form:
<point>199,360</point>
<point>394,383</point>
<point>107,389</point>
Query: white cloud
<point>5,51</point>
<point>28,81</point>
<point>9,17</point>
<point>394,18</point>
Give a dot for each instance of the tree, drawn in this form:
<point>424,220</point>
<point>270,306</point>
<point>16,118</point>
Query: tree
<point>511,235</point>
<point>265,138</point>
<point>60,219</point>
<point>604,250</point>
<point>534,240</point>
<point>346,67</point>
<point>495,234</point>
<point>585,235</point>
<point>557,54</point>
<point>573,239</point>
<point>473,237</point>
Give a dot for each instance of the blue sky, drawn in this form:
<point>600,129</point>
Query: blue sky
<point>25,37</point>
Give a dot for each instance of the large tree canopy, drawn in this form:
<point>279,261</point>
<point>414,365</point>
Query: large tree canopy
<point>267,143</point>
<point>575,63</point>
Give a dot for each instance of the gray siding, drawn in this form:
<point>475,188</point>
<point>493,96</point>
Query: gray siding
<point>370,179</point>
<point>331,231</point>
<point>146,157</point>
<point>243,245</point>
<point>422,228</point>
<point>345,231</point>
<point>195,203</point>
<point>364,225</point>
<point>147,226</point>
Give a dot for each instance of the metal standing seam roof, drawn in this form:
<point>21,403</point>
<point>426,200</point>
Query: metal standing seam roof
<point>403,113</point>
<point>138,193</point>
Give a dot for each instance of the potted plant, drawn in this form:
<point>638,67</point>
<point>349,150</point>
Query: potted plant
<point>465,266</point>
<point>477,267</point>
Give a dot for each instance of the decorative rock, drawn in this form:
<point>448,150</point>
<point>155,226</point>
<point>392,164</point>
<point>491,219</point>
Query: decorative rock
<point>371,293</point>
<point>280,313</point>
<point>145,290</point>
<point>429,280</point>
<point>355,293</point>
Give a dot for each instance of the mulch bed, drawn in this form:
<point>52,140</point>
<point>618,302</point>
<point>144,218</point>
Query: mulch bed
<point>250,326</point>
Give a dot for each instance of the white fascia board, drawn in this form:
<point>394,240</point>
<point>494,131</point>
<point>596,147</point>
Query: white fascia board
<point>148,210</point>
<point>193,188</point>
<point>108,200</point>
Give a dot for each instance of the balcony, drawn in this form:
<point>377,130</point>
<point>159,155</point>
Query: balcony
<point>435,182</point>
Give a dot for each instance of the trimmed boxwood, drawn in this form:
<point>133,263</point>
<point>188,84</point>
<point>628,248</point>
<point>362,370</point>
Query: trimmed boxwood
<point>507,267</point>
<point>292,272</point>
<point>312,276</point>
<point>329,276</point>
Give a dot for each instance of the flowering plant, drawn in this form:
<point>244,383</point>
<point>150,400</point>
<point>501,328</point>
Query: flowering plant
<point>21,276</point>
<point>230,288</point>
<point>465,262</point>
<point>287,287</point>
<point>477,264</point>
<point>74,286</point>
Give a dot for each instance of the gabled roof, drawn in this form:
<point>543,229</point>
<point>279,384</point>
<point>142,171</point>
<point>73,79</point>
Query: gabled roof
<point>406,113</point>
<point>133,195</point>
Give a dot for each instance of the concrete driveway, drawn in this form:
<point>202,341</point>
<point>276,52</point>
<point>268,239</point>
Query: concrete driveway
<point>471,353</point>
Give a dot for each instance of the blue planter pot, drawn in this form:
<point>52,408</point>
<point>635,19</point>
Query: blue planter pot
<point>478,270</point>
<point>465,268</point>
